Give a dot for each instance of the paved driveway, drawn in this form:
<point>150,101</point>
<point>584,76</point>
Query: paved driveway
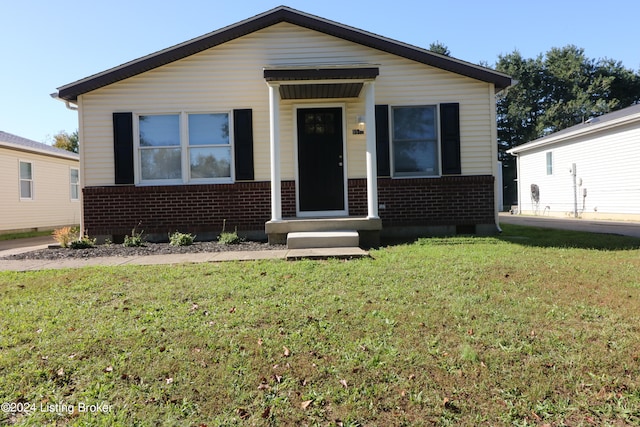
<point>626,228</point>
<point>9,247</point>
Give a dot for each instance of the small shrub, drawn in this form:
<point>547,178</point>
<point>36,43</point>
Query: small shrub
<point>83,242</point>
<point>228,238</point>
<point>136,239</point>
<point>65,235</point>
<point>181,239</point>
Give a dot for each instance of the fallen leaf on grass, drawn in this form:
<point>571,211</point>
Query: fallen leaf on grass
<point>108,369</point>
<point>344,383</point>
<point>169,380</point>
<point>266,413</point>
<point>287,352</point>
<point>305,404</point>
<point>60,372</point>
<point>232,310</point>
<point>242,413</point>
<point>260,341</point>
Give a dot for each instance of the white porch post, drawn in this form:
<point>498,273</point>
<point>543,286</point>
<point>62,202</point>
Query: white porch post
<point>274,135</point>
<point>370,121</point>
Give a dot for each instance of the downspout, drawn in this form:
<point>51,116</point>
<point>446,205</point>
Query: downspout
<point>81,176</point>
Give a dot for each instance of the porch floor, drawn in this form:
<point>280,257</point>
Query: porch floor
<point>367,228</point>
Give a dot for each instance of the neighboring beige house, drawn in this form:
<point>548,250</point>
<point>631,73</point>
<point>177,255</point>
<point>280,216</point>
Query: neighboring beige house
<point>591,170</point>
<point>41,185</point>
<point>288,121</point>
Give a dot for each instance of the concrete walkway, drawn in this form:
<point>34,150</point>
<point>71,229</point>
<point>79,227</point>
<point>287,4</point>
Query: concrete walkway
<point>11,247</point>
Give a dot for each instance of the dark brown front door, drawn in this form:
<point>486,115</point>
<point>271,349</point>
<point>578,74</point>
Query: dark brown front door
<point>320,160</point>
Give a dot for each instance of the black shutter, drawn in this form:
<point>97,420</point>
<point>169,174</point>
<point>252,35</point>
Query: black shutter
<point>382,140</point>
<point>450,138</point>
<point>243,144</point>
<point>123,147</point>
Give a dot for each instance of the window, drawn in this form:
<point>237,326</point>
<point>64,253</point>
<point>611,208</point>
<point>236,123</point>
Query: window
<point>415,141</point>
<point>550,163</point>
<point>182,148</point>
<point>26,180</point>
<point>209,146</point>
<point>74,179</point>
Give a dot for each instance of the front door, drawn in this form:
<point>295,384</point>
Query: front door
<point>320,162</point>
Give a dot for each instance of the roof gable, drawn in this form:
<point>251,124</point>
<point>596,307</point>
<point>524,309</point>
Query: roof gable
<point>71,91</point>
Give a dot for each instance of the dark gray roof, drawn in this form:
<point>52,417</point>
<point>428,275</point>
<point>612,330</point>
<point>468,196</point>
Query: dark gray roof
<point>71,91</point>
<point>33,146</point>
<point>594,122</point>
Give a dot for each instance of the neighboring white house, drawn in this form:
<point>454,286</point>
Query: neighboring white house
<point>40,185</point>
<point>591,170</point>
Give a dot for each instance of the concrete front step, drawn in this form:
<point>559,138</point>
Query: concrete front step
<point>322,239</point>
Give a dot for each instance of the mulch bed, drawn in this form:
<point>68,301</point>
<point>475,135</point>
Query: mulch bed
<point>115,249</point>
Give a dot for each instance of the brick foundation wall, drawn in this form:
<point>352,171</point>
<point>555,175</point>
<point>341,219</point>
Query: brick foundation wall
<point>450,200</point>
<point>186,208</point>
<point>459,200</point>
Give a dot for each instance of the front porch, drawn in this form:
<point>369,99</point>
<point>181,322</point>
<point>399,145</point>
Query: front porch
<point>368,228</point>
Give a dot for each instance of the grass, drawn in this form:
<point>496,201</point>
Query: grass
<point>13,236</point>
<point>533,327</point>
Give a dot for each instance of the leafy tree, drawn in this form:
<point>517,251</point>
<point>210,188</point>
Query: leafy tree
<point>559,90</point>
<point>66,141</point>
<point>440,48</point>
<point>555,91</point>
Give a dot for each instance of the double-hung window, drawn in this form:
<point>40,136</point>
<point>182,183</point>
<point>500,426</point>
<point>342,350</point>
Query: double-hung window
<point>549,162</point>
<point>26,180</point>
<point>74,180</point>
<point>209,146</point>
<point>184,148</point>
<point>415,141</point>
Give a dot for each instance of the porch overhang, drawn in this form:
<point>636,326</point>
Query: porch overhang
<point>319,83</point>
<point>322,82</point>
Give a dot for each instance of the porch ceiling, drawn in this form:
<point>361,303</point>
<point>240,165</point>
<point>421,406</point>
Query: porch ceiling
<point>309,83</point>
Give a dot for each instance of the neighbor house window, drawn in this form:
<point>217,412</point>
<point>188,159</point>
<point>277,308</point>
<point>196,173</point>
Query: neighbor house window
<point>26,180</point>
<point>74,179</point>
<point>183,148</point>
<point>415,141</point>
<point>550,163</point>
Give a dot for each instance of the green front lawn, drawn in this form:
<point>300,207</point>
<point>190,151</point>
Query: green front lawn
<point>531,328</point>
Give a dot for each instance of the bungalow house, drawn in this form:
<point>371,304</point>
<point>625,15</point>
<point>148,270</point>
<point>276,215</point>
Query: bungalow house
<point>589,170</point>
<point>41,186</point>
<point>289,122</point>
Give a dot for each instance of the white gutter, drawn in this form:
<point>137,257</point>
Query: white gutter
<point>66,103</point>
<point>582,129</point>
<point>18,147</point>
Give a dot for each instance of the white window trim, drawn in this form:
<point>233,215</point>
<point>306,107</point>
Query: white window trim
<point>548,161</point>
<point>71,184</point>
<point>20,179</point>
<point>438,143</point>
<point>184,150</point>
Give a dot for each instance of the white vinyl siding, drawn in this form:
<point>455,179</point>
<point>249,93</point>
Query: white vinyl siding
<point>51,205</point>
<point>230,76</point>
<point>606,167</point>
